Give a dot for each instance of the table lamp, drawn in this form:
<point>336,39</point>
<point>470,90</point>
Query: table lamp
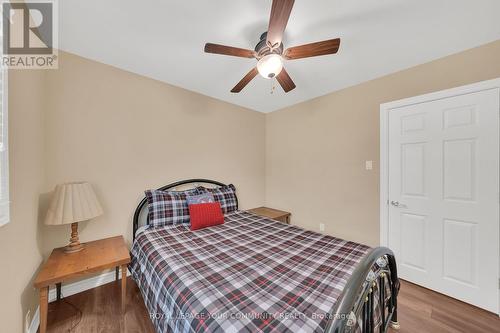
<point>73,203</point>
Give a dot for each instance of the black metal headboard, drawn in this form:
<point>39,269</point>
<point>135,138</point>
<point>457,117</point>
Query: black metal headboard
<point>167,187</point>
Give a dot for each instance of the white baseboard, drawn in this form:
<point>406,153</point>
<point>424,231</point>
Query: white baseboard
<point>35,322</point>
<point>71,289</point>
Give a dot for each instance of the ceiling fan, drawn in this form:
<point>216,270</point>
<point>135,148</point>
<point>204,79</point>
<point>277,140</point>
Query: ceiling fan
<point>270,52</point>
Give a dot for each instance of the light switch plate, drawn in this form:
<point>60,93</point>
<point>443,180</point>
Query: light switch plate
<point>368,165</point>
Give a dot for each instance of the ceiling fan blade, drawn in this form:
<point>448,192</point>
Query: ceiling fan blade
<point>229,50</point>
<point>245,80</point>
<point>285,81</point>
<point>280,12</point>
<point>312,50</point>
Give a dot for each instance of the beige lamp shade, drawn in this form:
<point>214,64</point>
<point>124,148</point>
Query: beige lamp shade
<point>73,202</point>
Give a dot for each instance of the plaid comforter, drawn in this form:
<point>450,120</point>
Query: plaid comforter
<point>250,274</point>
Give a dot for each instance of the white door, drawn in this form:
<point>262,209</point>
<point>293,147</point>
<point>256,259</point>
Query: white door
<point>444,195</point>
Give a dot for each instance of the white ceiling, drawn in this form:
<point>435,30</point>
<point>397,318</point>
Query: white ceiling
<point>164,40</point>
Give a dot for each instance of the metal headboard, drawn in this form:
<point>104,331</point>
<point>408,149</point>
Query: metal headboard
<point>141,210</point>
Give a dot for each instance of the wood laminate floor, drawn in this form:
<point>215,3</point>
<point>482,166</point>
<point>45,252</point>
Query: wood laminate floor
<point>420,310</point>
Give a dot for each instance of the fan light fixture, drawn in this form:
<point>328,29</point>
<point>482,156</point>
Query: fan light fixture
<point>270,65</point>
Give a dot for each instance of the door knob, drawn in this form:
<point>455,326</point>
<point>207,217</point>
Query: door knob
<point>398,204</point>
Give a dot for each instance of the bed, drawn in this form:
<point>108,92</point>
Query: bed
<point>253,274</point>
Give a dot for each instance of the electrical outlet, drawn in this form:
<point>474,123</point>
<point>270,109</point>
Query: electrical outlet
<point>368,165</point>
<point>27,321</point>
<point>321,227</point>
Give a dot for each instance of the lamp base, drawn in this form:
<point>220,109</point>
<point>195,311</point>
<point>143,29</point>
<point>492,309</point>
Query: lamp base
<point>72,249</point>
<point>74,243</point>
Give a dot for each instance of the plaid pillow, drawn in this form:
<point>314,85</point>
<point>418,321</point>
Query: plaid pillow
<point>205,197</point>
<point>225,195</point>
<point>168,208</point>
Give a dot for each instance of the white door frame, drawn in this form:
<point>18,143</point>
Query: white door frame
<point>384,140</point>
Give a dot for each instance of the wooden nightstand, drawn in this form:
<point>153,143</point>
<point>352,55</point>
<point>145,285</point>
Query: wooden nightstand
<point>271,213</point>
<point>96,256</point>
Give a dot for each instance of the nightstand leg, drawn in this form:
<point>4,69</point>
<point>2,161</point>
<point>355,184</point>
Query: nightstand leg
<point>58,289</point>
<point>124,286</point>
<point>44,305</point>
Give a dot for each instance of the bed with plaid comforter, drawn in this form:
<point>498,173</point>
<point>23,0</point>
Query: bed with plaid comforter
<point>250,274</point>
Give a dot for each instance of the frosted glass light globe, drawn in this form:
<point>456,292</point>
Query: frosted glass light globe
<point>270,65</point>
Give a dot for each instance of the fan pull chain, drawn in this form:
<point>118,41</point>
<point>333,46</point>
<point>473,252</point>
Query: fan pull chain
<point>273,86</point>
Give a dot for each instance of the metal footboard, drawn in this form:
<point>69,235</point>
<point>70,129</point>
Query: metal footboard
<point>367,292</point>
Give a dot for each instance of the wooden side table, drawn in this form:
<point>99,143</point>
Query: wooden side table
<point>96,256</point>
<point>272,213</point>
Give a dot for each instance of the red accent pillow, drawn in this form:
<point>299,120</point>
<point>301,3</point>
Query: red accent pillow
<point>205,215</point>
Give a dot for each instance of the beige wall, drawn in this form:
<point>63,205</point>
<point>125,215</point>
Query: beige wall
<point>122,132</point>
<point>125,133</point>
<point>20,254</point>
<point>316,150</point>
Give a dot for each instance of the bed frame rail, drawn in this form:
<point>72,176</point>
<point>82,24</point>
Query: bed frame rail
<point>358,300</point>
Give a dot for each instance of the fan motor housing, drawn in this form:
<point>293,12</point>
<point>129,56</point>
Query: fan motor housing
<point>263,49</point>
